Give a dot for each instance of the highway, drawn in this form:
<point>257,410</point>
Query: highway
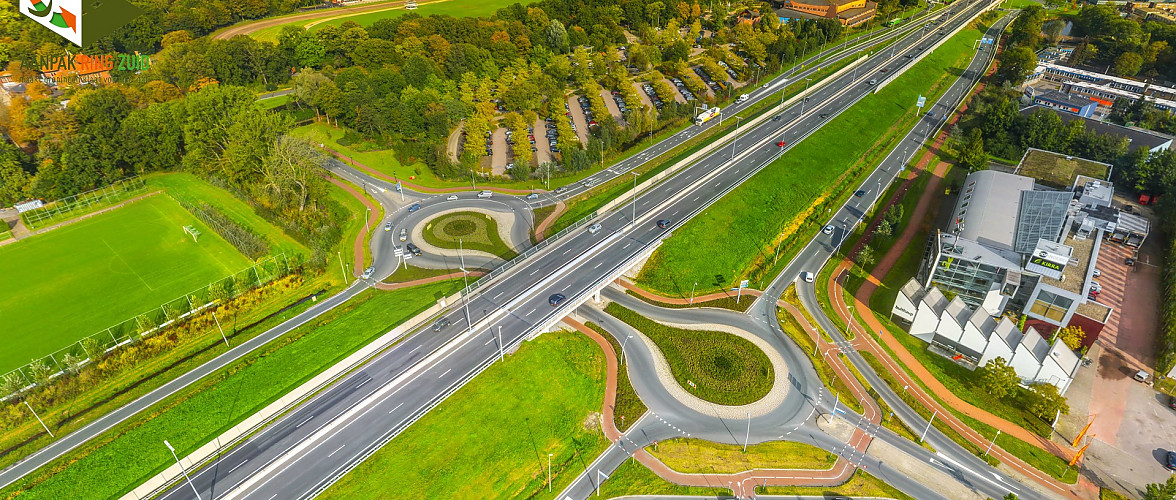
<point>310,447</point>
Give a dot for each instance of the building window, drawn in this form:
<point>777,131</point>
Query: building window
<point>1051,306</point>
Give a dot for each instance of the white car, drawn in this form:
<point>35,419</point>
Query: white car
<point>367,273</point>
<point>808,277</point>
<point>403,234</point>
<point>828,229</point>
<point>533,196</point>
<point>485,194</point>
<point>594,228</point>
<point>387,226</point>
<point>452,197</point>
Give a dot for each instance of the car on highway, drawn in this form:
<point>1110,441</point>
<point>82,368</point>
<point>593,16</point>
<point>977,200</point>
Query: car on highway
<point>828,229</point>
<point>403,234</point>
<point>663,223</point>
<point>823,116</point>
<point>859,193</point>
<point>413,249</point>
<point>873,82</point>
<point>742,99</point>
<point>885,70</point>
<point>533,196</point>
<point>776,118</point>
<point>414,207</point>
<point>387,226</point>
<point>485,194</point>
<point>594,228</point>
<point>781,143</point>
<point>556,299</point>
<point>452,197</point>
<point>561,189</point>
<point>441,323</point>
<point>367,273</point>
<point>807,277</point>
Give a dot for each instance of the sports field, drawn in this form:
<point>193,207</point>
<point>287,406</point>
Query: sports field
<point>455,8</point>
<point>72,282</point>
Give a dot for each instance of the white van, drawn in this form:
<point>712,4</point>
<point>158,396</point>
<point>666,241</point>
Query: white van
<point>485,194</point>
<point>808,277</point>
<point>743,98</point>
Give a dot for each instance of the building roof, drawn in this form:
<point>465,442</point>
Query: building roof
<point>1136,138</point>
<point>986,211</point>
<point>1036,344</point>
<point>982,320</point>
<point>1132,222</point>
<point>1064,98</point>
<point>1058,170</point>
<point>913,290</point>
<point>1040,215</point>
<point>1007,331</point>
<point>1104,78</point>
<point>1126,94</point>
<point>958,310</point>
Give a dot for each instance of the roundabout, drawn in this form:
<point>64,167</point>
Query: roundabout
<point>467,230</point>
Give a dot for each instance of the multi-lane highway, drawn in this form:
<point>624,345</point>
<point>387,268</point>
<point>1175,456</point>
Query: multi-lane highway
<point>310,447</point>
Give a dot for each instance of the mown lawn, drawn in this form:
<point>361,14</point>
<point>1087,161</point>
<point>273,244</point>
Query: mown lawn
<point>698,456</point>
<point>628,407</point>
<point>80,279</point>
<point>480,444</point>
<point>715,366</point>
<point>468,230</point>
<point>775,200</point>
<point>119,460</point>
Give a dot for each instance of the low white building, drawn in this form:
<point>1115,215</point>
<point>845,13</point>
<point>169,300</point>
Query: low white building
<point>980,336</point>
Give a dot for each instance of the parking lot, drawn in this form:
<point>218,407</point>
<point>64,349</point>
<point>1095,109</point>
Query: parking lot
<point>578,119</point>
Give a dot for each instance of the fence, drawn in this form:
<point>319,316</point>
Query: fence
<point>242,238</point>
<point>42,370</point>
<point>81,203</point>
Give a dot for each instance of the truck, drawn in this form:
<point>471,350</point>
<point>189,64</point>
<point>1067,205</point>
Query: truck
<point>706,116</point>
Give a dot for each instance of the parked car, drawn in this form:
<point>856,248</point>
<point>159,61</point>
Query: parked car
<point>1170,460</point>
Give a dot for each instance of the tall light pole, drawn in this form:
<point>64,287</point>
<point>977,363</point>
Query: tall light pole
<point>182,469</point>
<point>804,95</point>
<point>924,436</point>
<point>736,138</point>
<point>748,437</point>
<point>26,402</point>
<point>465,293</point>
<point>549,472</point>
<point>692,292</point>
<point>501,355</point>
<point>634,220</point>
<point>623,345</point>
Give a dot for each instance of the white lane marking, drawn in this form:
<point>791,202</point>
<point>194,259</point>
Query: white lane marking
<point>237,467</point>
<point>397,407</point>
<point>304,421</point>
<point>598,264</point>
<point>446,372</point>
<point>336,451</point>
<point>363,383</point>
<point>532,311</point>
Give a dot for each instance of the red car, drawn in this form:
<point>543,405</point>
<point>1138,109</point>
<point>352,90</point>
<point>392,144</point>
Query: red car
<point>781,143</point>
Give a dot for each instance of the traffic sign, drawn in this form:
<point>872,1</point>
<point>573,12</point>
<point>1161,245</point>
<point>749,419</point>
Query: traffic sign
<point>744,283</point>
<point>922,101</point>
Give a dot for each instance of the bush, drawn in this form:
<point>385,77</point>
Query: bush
<point>245,240</point>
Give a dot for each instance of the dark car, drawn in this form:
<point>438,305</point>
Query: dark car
<point>441,323</point>
<point>1172,402</point>
<point>1170,461</point>
<point>414,207</point>
<point>663,223</point>
<point>859,193</point>
<point>413,249</point>
<point>556,299</point>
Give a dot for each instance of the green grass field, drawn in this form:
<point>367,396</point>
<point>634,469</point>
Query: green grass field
<point>117,461</point>
<point>725,369</point>
<point>468,230</point>
<point>480,444</point>
<point>77,280</point>
<point>756,212</point>
<point>455,8</point>
<point>699,456</point>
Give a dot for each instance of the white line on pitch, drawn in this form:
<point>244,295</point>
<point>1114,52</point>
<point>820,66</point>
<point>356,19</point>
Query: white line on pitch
<point>336,451</point>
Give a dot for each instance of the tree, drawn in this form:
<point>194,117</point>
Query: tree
<point>865,256</point>
<point>1047,401</point>
<point>1072,336</point>
<point>556,37</point>
<point>998,378</point>
<point>1128,64</point>
<point>1015,64</point>
<point>1161,491</point>
<point>972,155</point>
<point>884,229</point>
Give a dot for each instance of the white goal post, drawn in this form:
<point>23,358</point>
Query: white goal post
<point>192,231</point>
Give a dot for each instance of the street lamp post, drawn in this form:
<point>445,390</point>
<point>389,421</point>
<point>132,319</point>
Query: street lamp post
<point>924,436</point>
<point>549,472</point>
<point>692,292</point>
<point>501,355</point>
<point>623,345</point>
<point>465,293</point>
<point>804,94</point>
<point>182,469</point>
<point>748,437</point>
<point>634,221</point>
<point>736,138</point>
<point>26,402</point>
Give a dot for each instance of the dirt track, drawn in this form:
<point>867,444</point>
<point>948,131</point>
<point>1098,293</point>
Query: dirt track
<point>248,28</point>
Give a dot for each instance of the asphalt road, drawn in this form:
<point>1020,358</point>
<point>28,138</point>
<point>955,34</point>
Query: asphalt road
<point>306,450</point>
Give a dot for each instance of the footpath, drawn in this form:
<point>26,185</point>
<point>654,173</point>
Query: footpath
<point>743,484</point>
<point>864,341</point>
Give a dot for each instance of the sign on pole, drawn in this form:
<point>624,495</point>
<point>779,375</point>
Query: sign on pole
<point>744,283</point>
<point>922,101</point>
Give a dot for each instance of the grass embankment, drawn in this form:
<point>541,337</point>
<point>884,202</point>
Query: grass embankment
<point>628,407</point>
<point>632,478</point>
<point>861,484</point>
<point>80,279</point>
<point>717,367</point>
<point>479,444</point>
<point>699,456</point>
<point>778,203</point>
<point>455,8</point>
<point>824,369</point>
<point>468,230</point>
<point>120,459</point>
<point>731,302</point>
<point>411,273</point>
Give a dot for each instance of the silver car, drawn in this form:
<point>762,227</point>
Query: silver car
<point>594,228</point>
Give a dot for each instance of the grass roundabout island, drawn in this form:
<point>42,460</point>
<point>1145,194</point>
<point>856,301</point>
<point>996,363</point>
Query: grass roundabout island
<point>475,231</point>
<point>717,367</point>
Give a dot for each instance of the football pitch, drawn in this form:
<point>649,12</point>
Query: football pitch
<point>74,281</point>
